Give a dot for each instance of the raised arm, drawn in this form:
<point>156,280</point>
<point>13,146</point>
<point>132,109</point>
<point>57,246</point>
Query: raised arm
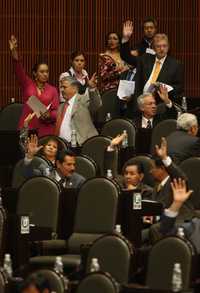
<point>20,72</point>
<point>125,51</point>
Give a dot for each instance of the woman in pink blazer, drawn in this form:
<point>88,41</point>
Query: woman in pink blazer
<point>39,87</point>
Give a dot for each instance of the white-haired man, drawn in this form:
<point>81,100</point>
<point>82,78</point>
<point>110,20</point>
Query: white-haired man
<point>184,143</point>
<point>148,116</point>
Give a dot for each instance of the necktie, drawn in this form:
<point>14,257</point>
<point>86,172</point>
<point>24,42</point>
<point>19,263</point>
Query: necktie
<point>60,119</point>
<point>149,124</point>
<point>156,72</point>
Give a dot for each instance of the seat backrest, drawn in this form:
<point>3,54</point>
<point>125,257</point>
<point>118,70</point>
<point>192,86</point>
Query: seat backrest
<point>147,165</point>
<point>86,167</point>
<point>55,281</point>
<point>95,213</point>
<point>95,148</point>
<point>162,257</point>
<point>191,168</point>
<point>98,282</point>
<point>19,175</point>
<point>114,256</point>
<point>2,233</point>
<point>110,104</point>
<point>116,126</point>
<point>62,143</point>
<point>39,198</point>
<point>162,129</point>
<point>9,116</point>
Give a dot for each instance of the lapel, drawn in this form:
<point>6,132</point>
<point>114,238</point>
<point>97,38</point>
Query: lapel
<point>149,65</point>
<point>164,70</point>
<point>76,105</point>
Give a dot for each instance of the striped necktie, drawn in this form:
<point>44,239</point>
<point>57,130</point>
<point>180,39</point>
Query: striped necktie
<point>60,119</point>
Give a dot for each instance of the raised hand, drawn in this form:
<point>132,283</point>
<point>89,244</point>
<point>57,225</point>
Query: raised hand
<point>28,119</point>
<point>32,146</point>
<point>163,93</point>
<point>117,140</point>
<point>162,150</point>
<point>180,193</point>
<point>127,30</point>
<point>93,81</point>
<point>13,47</point>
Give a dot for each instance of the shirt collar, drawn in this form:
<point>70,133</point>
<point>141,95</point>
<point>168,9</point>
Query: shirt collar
<point>84,72</point>
<point>146,119</point>
<point>162,183</point>
<point>162,60</point>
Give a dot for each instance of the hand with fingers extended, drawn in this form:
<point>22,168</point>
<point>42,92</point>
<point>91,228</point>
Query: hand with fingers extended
<point>13,47</point>
<point>162,150</point>
<point>32,146</point>
<point>28,119</point>
<point>93,81</point>
<point>127,30</point>
<point>118,140</point>
<point>179,188</point>
<point>163,93</point>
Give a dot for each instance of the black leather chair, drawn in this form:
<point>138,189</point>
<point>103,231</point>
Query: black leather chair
<point>86,166</point>
<point>3,230</point>
<point>110,104</point>
<point>162,257</point>
<point>116,126</point>
<point>9,116</point>
<point>162,129</point>
<point>98,282</point>
<point>191,168</point>
<point>19,175</point>
<point>39,198</point>
<point>114,255</point>
<point>95,148</point>
<point>95,215</point>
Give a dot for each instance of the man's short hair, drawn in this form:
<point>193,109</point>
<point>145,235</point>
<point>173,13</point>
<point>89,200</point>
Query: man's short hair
<point>37,280</point>
<point>140,99</point>
<point>160,37</point>
<point>62,154</point>
<point>186,121</point>
<point>133,162</point>
<point>71,80</point>
<point>150,19</point>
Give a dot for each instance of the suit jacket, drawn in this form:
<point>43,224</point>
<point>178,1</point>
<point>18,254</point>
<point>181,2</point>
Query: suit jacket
<point>169,113</point>
<point>182,145</point>
<point>43,169</point>
<point>165,195</point>
<point>81,121</point>
<point>191,229</point>
<point>171,72</point>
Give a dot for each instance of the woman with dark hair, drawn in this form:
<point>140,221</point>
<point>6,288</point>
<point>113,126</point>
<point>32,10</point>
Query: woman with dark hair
<point>110,63</point>
<point>38,87</point>
<point>78,61</point>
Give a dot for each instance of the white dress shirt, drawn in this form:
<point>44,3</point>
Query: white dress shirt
<point>148,83</point>
<point>65,128</point>
<point>145,122</point>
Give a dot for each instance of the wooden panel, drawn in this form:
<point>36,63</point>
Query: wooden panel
<point>52,29</point>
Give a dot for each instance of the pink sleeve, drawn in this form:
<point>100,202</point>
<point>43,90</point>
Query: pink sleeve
<point>23,78</point>
<point>54,105</point>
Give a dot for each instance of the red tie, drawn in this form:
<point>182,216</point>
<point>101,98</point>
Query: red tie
<point>60,119</point>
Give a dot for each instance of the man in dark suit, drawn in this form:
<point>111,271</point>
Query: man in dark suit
<point>164,171</point>
<point>183,143</point>
<point>64,171</point>
<point>168,220</point>
<point>148,116</point>
<point>153,68</point>
<point>145,45</point>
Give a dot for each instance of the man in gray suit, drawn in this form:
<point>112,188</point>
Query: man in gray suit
<point>75,113</point>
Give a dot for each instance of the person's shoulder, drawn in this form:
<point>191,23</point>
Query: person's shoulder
<point>78,177</point>
<point>172,59</point>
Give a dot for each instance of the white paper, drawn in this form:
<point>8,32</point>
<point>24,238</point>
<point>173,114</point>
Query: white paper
<point>150,51</point>
<point>126,88</point>
<point>153,86</point>
<point>37,107</point>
